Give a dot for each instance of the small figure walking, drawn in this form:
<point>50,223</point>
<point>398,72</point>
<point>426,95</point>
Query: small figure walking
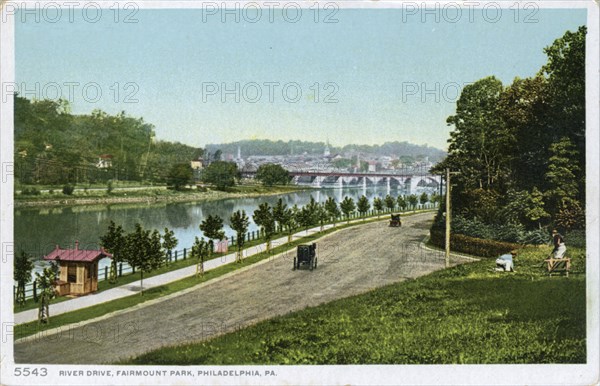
<point>559,244</point>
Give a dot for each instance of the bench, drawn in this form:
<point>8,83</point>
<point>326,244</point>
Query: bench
<point>558,265</point>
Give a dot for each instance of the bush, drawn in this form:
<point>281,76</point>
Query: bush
<point>575,238</point>
<point>472,245</point>
<point>535,237</point>
<point>68,190</point>
<point>30,192</point>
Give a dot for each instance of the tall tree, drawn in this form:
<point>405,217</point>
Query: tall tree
<point>200,252</point>
<point>390,202</point>
<point>402,204</point>
<point>333,209</point>
<point>321,215</point>
<point>263,217</point>
<point>288,221</point>
<point>113,241</point>
<point>479,140</point>
<point>169,243</point>
<point>347,206</point>
<point>363,205</point>
<point>180,175</point>
<point>221,174</point>
<point>413,201</point>
<point>306,216</point>
<point>239,222</point>
<point>423,198</point>
<point>212,227</point>
<point>22,275</point>
<point>378,205</point>
<point>45,284</point>
<point>279,212</point>
<point>561,174</point>
<point>143,250</point>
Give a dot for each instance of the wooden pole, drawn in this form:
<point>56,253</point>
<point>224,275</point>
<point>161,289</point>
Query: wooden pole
<point>448,188</point>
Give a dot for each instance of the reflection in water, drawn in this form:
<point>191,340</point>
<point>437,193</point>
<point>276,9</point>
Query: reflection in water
<point>37,231</point>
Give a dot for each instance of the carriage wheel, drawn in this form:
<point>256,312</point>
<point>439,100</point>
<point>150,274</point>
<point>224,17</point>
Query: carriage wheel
<point>293,269</point>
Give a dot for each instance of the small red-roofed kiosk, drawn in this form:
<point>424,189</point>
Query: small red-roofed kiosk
<point>78,269</point>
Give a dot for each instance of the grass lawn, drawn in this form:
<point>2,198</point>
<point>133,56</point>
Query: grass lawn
<point>467,314</point>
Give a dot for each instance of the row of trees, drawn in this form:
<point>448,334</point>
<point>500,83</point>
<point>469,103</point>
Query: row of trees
<point>519,150</point>
<point>141,248</point>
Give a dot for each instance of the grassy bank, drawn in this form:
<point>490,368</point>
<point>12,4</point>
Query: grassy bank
<point>466,314</point>
<point>146,194</point>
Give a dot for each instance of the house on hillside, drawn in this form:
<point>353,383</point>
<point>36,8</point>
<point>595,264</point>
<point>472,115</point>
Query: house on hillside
<point>104,161</point>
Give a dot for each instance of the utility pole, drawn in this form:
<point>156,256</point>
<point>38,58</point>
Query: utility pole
<point>448,189</point>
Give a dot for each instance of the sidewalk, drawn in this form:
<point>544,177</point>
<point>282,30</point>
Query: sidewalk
<point>154,281</point>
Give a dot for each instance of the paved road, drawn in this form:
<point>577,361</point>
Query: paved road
<point>351,261</point>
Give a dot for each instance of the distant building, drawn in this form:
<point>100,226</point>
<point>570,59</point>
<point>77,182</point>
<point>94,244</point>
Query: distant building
<point>104,161</point>
<point>197,164</point>
<point>372,166</point>
<point>327,151</point>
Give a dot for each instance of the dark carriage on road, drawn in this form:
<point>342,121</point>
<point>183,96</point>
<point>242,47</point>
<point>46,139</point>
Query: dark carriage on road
<point>395,221</point>
<point>306,255</point>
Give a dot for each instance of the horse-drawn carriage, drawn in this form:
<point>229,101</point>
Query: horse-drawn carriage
<point>395,220</point>
<point>306,255</point>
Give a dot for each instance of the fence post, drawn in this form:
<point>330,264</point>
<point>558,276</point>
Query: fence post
<point>120,269</point>
<point>105,273</point>
<point>175,256</point>
<point>35,298</point>
<point>184,253</point>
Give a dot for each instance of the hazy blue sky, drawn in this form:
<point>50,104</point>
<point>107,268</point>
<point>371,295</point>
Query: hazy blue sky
<point>377,61</point>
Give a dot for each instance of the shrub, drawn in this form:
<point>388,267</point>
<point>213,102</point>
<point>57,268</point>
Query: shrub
<point>472,245</point>
<point>30,192</point>
<point>575,238</point>
<point>68,190</point>
<point>535,237</point>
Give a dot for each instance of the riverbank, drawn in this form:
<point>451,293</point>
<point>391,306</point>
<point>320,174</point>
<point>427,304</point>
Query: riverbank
<point>148,195</point>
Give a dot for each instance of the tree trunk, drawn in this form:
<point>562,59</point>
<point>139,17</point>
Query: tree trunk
<point>141,282</point>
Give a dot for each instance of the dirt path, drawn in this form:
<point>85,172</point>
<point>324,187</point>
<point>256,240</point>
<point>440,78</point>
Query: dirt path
<point>350,261</point>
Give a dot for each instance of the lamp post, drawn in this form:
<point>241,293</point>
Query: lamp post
<point>448,214</point>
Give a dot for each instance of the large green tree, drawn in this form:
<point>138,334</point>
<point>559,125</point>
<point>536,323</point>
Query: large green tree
<point>143,250</point>
<point>272,174</point>
<point>180,175</point>
<point>212,227</point>
<point>363,205</point>
<point>263,217</point>
<point>221,174</point>
<point>347,206</point>
<point>113,241</point>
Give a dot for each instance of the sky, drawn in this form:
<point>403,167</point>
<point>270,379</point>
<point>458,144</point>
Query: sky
<point>362,76</point>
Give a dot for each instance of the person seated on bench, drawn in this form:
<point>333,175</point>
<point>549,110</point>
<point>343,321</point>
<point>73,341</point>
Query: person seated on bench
<point>505,262</point>
<point>559,245</point>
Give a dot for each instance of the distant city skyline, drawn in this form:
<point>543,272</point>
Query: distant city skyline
<point>374,76</point>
